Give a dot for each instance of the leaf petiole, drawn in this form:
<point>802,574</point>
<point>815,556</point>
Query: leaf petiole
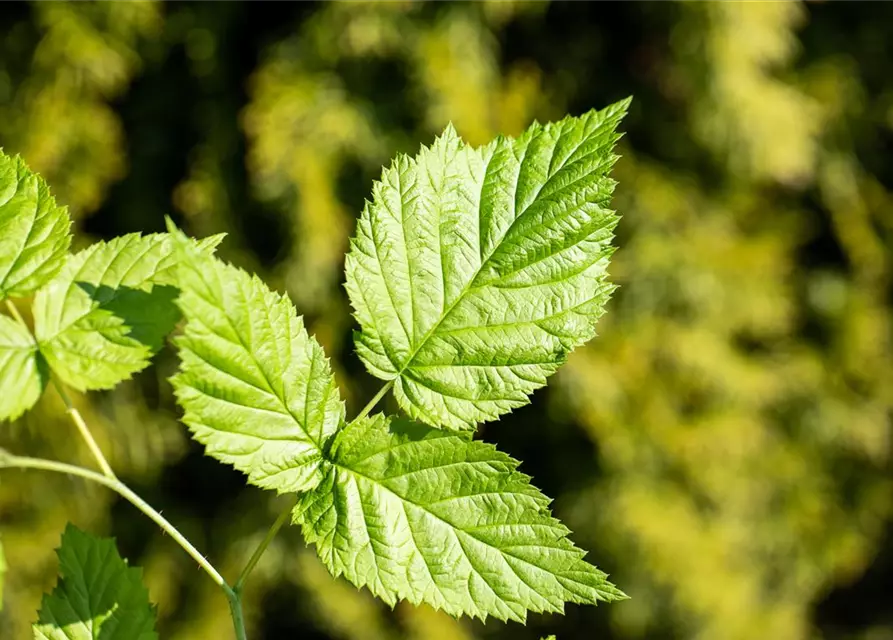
<point>261,548</point>
<point>85,432</point>
<point>374,401</point>
<point>15,313</point>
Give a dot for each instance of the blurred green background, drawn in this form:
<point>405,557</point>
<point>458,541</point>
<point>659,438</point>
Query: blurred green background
<point>723,449</point>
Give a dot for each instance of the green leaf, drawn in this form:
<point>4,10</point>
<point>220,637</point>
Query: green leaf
<point>430,516</point>
<point>474,272</point>
<point>97,596</point>
<point>256,388</point>
<point>108,311</point>
<point>34,236</point>
<point>23,375</point>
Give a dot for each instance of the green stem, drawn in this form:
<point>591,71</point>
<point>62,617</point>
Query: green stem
<point>110,480</point>
<point>70,408</point>
<point>255,557</point>
<point>15,313</point>
<point>235,604</point>
<point>374,401</point>
<point>235,610</point>
<point>85,432</point>
<point>21,462</point>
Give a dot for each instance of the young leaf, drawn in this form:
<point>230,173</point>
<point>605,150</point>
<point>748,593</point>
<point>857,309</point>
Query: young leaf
<point>257,390</point>
<point>474,272</point>
<point>34,236</point>
<point>108,311</point>
<point>97,596</point>
<point>22,378</point>
<point>429,516</point>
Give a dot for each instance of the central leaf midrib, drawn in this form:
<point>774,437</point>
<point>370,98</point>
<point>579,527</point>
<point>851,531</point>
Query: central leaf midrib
<point>262,371</point>
<point>470,286</point>
<point>452,527</point>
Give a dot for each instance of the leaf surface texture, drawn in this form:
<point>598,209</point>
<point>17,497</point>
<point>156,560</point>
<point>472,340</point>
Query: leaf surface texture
<point>431,516</point>
<point>474,272</point>
<point>22,378</point>
<point>109,309</point>
<point>257,390</point>
<point>34,232</point>
<point>98,597</point>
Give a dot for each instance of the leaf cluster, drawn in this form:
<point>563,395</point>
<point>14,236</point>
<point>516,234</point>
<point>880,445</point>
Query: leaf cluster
<point>473,273</point>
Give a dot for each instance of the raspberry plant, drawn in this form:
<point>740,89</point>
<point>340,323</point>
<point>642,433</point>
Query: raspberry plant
<point>472,274</point>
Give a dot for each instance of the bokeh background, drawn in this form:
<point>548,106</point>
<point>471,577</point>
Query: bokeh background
<point>723,449</point>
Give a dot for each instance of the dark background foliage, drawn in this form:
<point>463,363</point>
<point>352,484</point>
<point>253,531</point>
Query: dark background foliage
<point>723,449</point>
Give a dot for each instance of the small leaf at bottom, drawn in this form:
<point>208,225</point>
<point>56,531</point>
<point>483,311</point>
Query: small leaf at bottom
<point>97,596</point>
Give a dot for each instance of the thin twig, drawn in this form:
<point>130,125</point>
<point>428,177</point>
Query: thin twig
<point>374,401</point>
<point>283,517</point>
<point>21,462</point>
<point>85,432</point>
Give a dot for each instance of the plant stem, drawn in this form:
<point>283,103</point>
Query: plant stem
<point>110,480</point>
<point>21,462</point>
<point>71,409</point>
<point>10,461</point>
<point>235,610</point>
<point>255,557</point>
<point>85,432</point>
<point>374,401</point>
<point>15,313</point>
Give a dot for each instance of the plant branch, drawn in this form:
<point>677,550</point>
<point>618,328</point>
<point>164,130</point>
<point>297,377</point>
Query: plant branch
<point>374,401</point>
<point>10,461</point>
<point>235,610</point>
<point>21,462</point>
<point>255,557</point>
<point>70,408</point>
<point>85,432</point>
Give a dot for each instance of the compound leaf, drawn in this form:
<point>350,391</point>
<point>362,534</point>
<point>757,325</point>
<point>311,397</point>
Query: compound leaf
<point>22,375</point>
<point>474,272</point>
<point>97,596</point>
<point>107,312</point>
<point>257,390</point>
<point>34,232</point>
<point>431,516</point>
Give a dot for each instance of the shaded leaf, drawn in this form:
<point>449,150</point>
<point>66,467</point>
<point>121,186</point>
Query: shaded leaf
<point>109,309</point>
<point>97,597</point>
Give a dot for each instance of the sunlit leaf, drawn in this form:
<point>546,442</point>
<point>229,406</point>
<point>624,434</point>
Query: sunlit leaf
<point>474,272</point>
<point>257,389</point>
<point>22,376</point>
<point>34,235</point>
<point>431,516</point>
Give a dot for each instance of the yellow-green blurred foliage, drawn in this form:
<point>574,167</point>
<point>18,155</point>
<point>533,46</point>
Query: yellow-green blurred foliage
<point>723,448</point>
